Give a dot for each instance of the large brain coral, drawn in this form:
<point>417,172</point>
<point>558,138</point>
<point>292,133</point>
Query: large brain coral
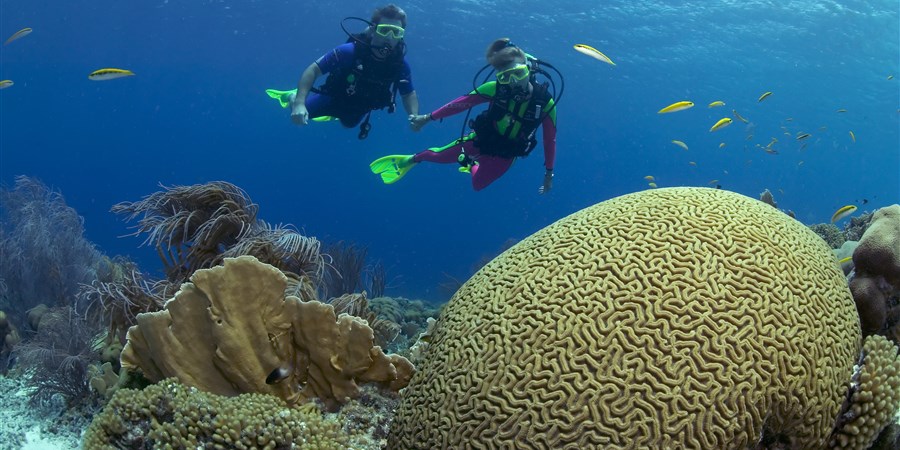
<point>671,318</point>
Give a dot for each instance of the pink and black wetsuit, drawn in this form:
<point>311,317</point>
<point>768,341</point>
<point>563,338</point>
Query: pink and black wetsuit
<point>489,167</point>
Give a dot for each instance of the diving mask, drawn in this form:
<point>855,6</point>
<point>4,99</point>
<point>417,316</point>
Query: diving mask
<point>518,73</point>
<point>389,31</point>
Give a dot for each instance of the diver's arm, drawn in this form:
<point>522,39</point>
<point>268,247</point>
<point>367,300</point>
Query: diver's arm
<point>548,127</point>
<point>299,114</point>
<point>411,103</point>
<point>307,79</point>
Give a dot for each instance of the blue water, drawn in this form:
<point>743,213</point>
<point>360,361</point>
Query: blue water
<point>197,112</point>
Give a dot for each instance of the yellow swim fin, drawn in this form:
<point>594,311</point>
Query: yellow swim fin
<point>393,167</point>
<point>283,97</point>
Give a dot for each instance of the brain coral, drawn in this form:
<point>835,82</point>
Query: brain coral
<point>669,318</point>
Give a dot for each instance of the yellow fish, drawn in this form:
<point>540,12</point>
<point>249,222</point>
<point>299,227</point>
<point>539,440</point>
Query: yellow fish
<point>711,182</point>
<point>649,178</point>
<point>716,103</point>
<point>763,97</point>
<point>845,259</point>
<point>109,74</point>
<point>722,145</point>
<point>692,163</point>
<point>843,212</point>
<point>853,137</point>
<point>680,144</point>
<point>18,34</point>
<point>738,116</point>
<point>842,110</point>
<point>803,136</point>
<point>653,185</point>
<point>722,123</point>
<point>5,84</point>
<point>677,106</point>
<point>593,53</point>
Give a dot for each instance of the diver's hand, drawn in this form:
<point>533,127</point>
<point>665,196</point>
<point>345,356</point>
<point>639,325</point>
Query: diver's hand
<point>417,122</point>
<point>548,182</point>
<point>299,114</point>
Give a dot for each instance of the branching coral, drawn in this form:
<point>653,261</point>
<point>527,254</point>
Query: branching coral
<point>189,225</point>
<point>43,253</point>
<point>58,357</point>
<point>119,294</point>
<point>196,227</point>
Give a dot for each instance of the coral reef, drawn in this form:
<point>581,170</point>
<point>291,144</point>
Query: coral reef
<point>766,197</point>
<point>358,305</point>
<point>845,254</point>
<point>857,225</point>
<point>876,283</point>
<point>119,294</point>
<point>668,318</point>
<point>44,256</point>
<point>10,336</point>
<point>830,233</point>
<point>170,415</point>
<point>231,330</point>
<point>57,359</point>
<point>874,397</point>
<point>196,227</point>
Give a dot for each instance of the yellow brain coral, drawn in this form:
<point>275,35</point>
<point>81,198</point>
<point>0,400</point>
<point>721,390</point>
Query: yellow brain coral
<point>669,318</point>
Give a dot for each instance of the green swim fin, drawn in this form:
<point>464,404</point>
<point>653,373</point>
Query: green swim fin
<point>392,167</point>
<point>283,97</point>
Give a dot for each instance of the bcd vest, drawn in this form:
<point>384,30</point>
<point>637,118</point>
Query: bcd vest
<point>369,84</point>
<point>519,126</point>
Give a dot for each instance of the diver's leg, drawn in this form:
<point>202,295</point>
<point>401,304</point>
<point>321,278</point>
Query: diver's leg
<point>446,154</point>
<point>488,169</point>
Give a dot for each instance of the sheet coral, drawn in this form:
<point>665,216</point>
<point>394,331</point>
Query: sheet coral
<point>232,329</point>
<point>668,318</point>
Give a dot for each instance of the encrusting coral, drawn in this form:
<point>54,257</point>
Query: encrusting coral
<point>876,283</point>
<point>668,318</point>
<point>232,330</point>
<point>169,415</point>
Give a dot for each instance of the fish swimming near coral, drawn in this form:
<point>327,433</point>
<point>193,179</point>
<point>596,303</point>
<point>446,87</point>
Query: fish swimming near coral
<point>716,103</point>
<point>764,96</point>
<point>680,144</point>
<point>843,212</point>
<point>5,84</point>
<point>677,106</point>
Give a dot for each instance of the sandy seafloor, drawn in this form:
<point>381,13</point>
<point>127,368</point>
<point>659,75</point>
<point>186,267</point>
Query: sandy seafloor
<point>35,427</point>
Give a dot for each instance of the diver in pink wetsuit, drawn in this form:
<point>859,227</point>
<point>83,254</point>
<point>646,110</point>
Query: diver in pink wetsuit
<point>500,134</point>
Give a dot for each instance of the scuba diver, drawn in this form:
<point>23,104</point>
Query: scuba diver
<point>364,74</point>
<point>500,134</point>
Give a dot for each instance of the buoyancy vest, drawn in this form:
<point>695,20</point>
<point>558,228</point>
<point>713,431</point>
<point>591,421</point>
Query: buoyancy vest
<point>507,128</point>
<point>369,83</point>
